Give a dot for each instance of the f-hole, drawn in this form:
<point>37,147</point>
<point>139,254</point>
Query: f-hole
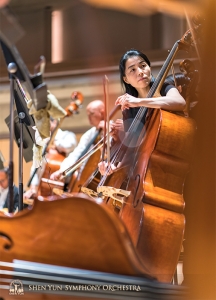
<point>135,202</point>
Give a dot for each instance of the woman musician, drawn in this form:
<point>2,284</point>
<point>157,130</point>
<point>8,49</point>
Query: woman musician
<point>136,78</point>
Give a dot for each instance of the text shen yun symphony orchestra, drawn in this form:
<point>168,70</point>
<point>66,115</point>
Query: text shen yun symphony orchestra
<point>88,287</point>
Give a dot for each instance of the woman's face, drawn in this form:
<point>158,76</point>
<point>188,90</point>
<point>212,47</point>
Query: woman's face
<point>137,72</point>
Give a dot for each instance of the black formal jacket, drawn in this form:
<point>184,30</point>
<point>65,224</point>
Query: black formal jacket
<point>15,196</point>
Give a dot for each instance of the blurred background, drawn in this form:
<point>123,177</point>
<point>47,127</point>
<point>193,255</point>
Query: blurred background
<point>83,40</point>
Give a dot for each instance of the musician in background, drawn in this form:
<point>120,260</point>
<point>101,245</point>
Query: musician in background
<point>64,142</point>
<point>137,79</point>
<point>4,191</point>
<point>95,112</point>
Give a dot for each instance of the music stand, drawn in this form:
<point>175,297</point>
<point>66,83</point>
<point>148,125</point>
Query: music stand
<point>17,70</point>
<point>10,32</point>
<point>28,136</point>
<point>23,133</point>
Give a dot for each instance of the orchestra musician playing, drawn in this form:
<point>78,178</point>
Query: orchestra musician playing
<point>95,112</point>
<point>4,191</point>
<point>137,79</point>
<point>64,142</point>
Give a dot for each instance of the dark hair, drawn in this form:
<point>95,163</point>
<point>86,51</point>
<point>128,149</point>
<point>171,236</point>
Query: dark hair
<point>133,52</point>
<point>181,79</point>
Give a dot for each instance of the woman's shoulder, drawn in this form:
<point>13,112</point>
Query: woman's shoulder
<point>165,88</point>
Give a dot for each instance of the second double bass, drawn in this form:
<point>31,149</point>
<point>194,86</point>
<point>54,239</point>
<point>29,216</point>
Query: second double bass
<point>52,156</point>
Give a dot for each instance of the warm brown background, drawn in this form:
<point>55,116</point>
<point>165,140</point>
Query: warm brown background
<point>200,252</point>
<point>103,49</point>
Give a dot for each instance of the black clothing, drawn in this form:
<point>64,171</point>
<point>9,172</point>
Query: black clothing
<point>130,114</point>
<point>15,196</point>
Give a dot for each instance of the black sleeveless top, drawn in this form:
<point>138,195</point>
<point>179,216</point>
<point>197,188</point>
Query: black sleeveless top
<point>130,114</point>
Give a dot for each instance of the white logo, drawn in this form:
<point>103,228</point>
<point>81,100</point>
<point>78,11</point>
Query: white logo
<point>16,288</point>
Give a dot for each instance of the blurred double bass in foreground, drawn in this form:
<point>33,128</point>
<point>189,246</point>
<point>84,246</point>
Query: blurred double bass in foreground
<point>73,248</point>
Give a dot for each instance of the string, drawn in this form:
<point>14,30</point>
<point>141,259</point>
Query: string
<point>141,114</point>
<point>114,149</point>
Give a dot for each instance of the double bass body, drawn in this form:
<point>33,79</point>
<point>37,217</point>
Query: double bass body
<point>154,176</point>
<point>153,212</point>
<point>84,172</point>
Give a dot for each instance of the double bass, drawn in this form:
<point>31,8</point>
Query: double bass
<point>91,156</point>
<point>73,248</point>
<point>52,156</point>
<point>147,191</point>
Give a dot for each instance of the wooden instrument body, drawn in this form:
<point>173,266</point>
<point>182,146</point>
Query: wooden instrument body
<point>76,232</point>
<point>52,164</point>
<point>158,181</point>
<point>85,172</point>
<point>153,213</point>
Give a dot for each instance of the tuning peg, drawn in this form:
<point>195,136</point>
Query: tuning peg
<point>188,37</point>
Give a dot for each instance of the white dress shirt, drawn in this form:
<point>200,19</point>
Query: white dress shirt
<point>3,196</point>
<point>65,141</point>
<point>74,156</point>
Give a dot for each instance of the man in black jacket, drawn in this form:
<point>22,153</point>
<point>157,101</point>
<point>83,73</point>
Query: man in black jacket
<point>4,191</point>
